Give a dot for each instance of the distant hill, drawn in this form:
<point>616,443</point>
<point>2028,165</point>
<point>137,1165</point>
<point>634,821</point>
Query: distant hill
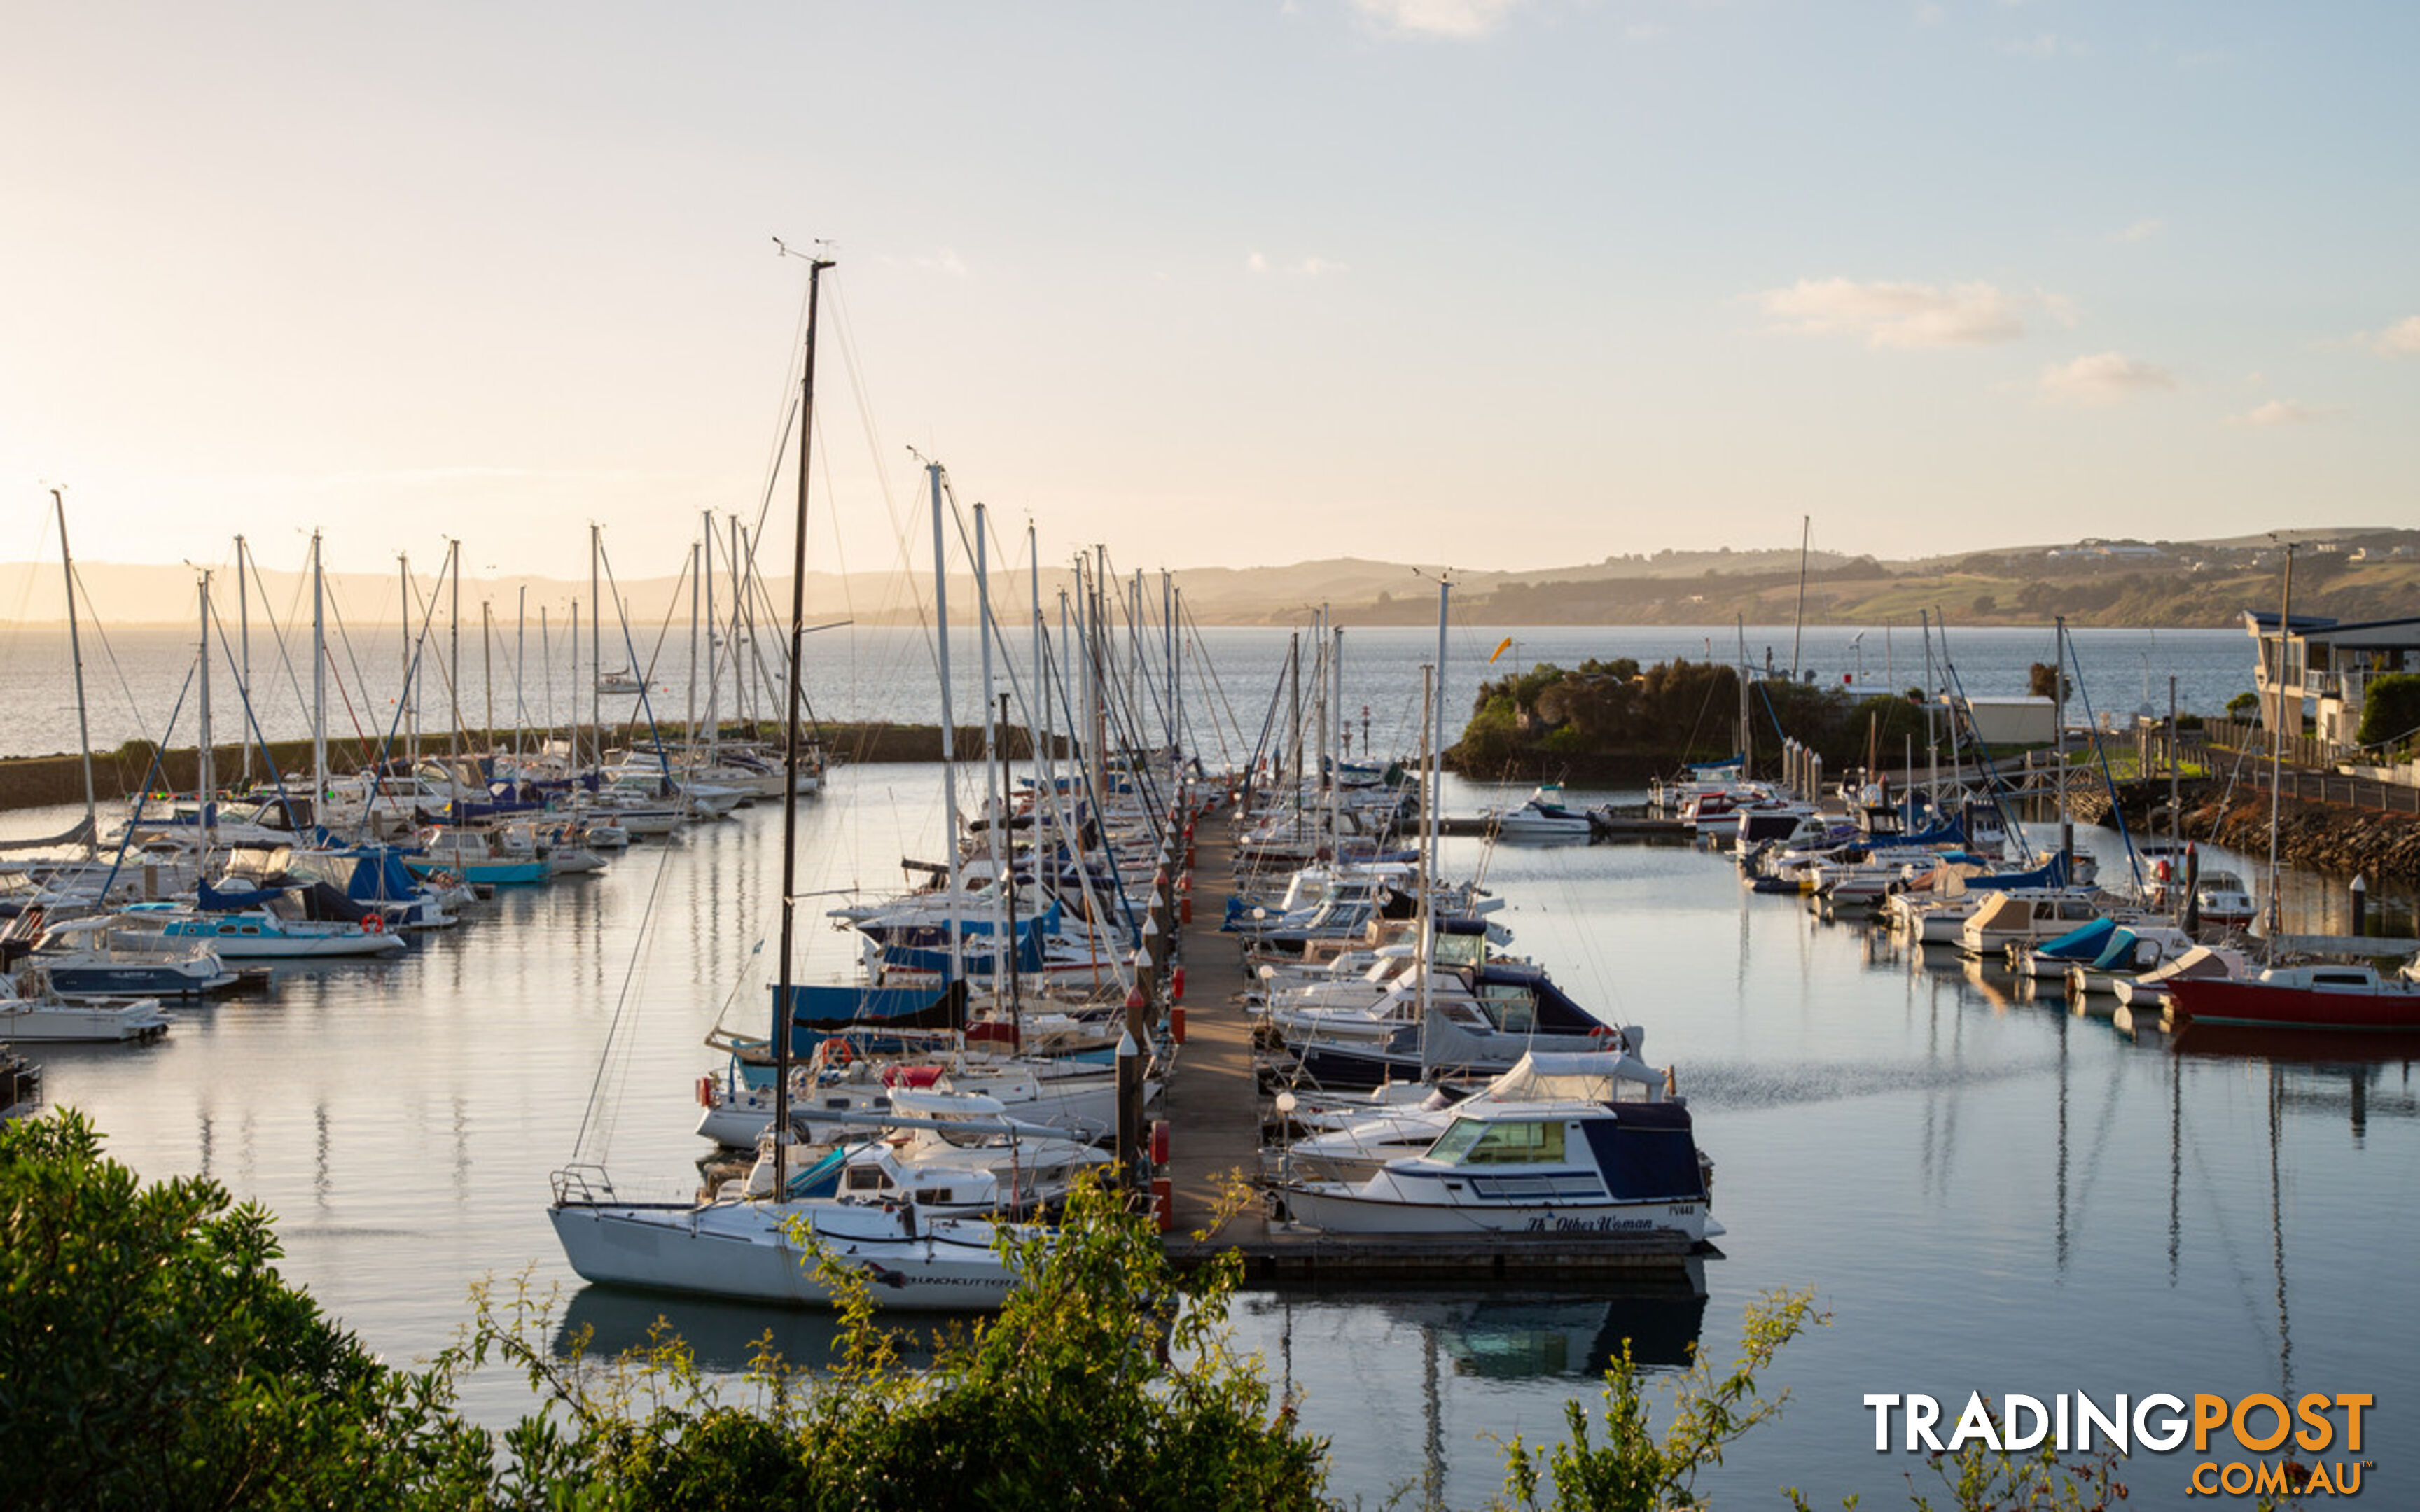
<point>2347,572</point>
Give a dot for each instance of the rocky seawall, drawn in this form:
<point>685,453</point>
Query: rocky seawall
<point>2313,836</point>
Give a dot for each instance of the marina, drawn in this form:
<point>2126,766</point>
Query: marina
<point>1539,1053</point>
<point>399,1116</point>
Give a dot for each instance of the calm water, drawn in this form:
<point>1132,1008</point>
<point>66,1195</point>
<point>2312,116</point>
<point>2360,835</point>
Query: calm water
<point>134,677</point>
<point>1986,1192</point>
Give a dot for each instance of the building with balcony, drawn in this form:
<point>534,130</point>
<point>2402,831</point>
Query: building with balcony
<point>2325,667</point>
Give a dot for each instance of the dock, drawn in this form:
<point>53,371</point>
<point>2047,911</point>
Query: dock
<point>1213,1105</point>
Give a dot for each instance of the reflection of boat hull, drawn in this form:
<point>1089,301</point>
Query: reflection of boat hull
<point>2316,1047</point>
<point>741,1251</point>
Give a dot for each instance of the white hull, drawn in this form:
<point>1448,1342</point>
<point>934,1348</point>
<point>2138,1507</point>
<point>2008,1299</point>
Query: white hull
<point>738,1251</point>
<point>40,1023</point>
<point>1337,1210</point>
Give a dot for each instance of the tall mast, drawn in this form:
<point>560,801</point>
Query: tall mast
<point>596,644</point>
<point>1335,723</point>
<point>949,724</point>
<point>243,633</point>
<point>403,616</point>
<point>1432,808</point>
<point>782,1011</point>
<point>2058,747</point>
<point>453,664</point>
<point>2276,743</point>
<point>488,666</point>
<point>75,656</point>
<point>1041,708</point>
<point>318,687</point>
<point>208,778</point>
<point>713,658</point>
<point>689,711</point>
<point>521,668</point>
<point>1798,620</point>
<point>995,764</point>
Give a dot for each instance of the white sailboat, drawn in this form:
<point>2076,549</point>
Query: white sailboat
<point>753,1243</point>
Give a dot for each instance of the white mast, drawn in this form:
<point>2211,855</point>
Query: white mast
<point>995,831</point>
<point>75,656</point>
<point>688,712</point>
<point>318,687</point>
<point>208,778</point>
<point>949,725</point>
<point>244,632</point>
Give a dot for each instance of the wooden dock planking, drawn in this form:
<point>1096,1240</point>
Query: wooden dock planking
<point>1212,1100</point>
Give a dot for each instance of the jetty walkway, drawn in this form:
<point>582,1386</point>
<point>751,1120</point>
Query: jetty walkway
<point>1212,1103</point>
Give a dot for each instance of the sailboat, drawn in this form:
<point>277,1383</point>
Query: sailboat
<point>753,1241</point>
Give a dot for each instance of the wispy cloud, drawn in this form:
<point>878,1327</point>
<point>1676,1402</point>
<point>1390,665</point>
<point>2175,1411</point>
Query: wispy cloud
<point>2103,378</point>
<point>2401,339</point>
<point>1930,14</point>
<point>1258,263</point>
<point>1899,314</point>
<point>2142,230</point>
<point>2283,413</point>
<point>1437,18</point>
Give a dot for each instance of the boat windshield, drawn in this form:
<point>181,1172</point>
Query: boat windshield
<point>1493,1142</point>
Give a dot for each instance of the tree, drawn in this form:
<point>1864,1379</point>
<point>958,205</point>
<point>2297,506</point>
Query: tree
<point>2390,709</point>
<point>151,1356</point>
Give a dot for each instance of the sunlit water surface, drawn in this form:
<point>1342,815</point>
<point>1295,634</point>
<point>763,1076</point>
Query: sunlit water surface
<point>1984,1192</point>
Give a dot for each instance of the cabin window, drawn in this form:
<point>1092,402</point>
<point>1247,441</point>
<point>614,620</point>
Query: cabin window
<point>1503,1144</point>
<point>862,1179</point>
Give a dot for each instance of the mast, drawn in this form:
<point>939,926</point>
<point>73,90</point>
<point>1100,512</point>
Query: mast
<point>1335,721</point>
<point>521,666</point>
<point>995,759</point>
<point>208,778</point>
<point>403,617</point>
<point>75,656</point>
<point>243,631</point>
<point>688,712</point>
<point>596,644</point>
<point>1798,620</point>
<point>488,666</point>
<point>1437,765</point>
<point>1041,711</point>
<point>949,724</point>
<point>782,1011</point>
<point>2276,744</point>
<point>454,670</point>
<point>2058,748</point>
<point>318,685</point>
<point>713,657</point>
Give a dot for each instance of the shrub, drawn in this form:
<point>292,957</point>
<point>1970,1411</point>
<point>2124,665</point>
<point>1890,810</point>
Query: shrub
<point>2390,710</point>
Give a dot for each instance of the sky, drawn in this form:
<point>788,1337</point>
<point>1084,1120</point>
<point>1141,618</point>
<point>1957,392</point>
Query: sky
<point>1488,283</point>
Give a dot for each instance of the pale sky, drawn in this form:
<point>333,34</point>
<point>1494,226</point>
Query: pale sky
<point>1488,282</point>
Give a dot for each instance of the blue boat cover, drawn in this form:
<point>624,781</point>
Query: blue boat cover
<point>2081,944</point>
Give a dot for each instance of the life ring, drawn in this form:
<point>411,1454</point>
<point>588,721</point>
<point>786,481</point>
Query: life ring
<point>372,923</point>
<point>837,1053</point>
<point>705,1091</point>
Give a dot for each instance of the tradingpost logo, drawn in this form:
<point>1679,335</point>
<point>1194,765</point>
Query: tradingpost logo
<point>2229,1435</point>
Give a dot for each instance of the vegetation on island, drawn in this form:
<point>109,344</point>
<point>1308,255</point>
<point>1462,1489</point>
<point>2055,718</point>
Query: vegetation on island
<point>1607,721</point>
<point>151,1356</point>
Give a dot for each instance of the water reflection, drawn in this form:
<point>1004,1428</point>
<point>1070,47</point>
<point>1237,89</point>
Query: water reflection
<point>602,1323</point>
<point>1529,1332</point>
